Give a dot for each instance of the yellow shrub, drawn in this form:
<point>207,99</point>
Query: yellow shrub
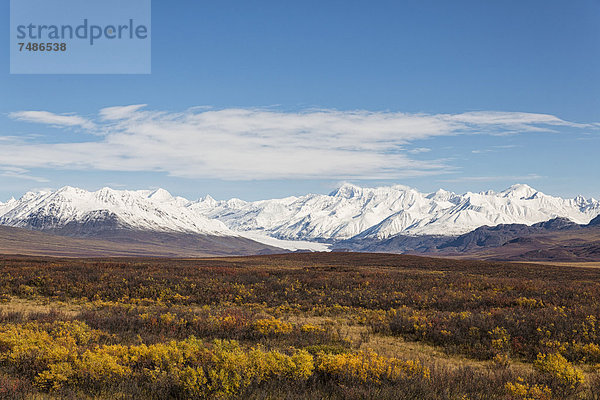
<point>501,360</point>
<point>56,376</point>
<point>99,366</point>
<point>500,339</point>
<point>56,358</point>
<point>367,366</point>
<point>231,368</point>
<point>193,382</point>
<point>308,328</point>
<point>170,319</point>
<point>224,321</point>
<point>465,314</point>
<point>31,349</point>
<point>554,346</point>
<point>78,330</point>
<point>589,352</point>
<point>272,326</point>
<point>95,366</point>
<point>529,303</point>
<point>303,365</point>
<point>520,390</point>
<point>560,370</point>
<point>420,324</point>
<point>166,356</point>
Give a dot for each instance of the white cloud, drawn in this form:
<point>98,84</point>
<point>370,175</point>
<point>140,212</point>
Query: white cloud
<point>45,117</point>
<point>494,149</point>
<point>513,178</point>
<point>419,150</point>
<point>249,144</point>
<point>120,112</point>
<point>517,121</point>
<point>19,173</point>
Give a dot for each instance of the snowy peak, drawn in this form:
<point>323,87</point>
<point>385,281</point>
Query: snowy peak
<point>11,200</point>
<point>347,191</point>
<point>143,210</point>
<point>349,211</point>
<point>383,212</point>
<point>520,191</point>
<point>161,196</point>
<point>441,195</point>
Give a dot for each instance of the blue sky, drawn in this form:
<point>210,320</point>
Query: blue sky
<point>267,99</point>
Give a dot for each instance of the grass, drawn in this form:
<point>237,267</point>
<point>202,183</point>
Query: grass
<point>336,325</point>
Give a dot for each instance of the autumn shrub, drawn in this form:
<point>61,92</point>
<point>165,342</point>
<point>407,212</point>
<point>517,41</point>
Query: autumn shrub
<point>309,328</point>
<point>220,368</point>
<point>519,390</point>
<point>367,366</point>
<point>588,352</point>
<point>272,326</point>
<point>29,349</point>
<point>560,373</point>
<point>529,303</point>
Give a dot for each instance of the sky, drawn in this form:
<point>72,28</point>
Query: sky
<point>269,99</point>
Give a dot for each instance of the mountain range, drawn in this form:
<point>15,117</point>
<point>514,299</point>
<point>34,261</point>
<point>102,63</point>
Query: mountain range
<point>380,213</point>
<point>395,218</point>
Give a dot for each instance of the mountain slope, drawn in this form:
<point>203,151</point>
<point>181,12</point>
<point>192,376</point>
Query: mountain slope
<point>575,244</point>
<point>494,236</point>
<point>76,211</point>
<point>141,223</point>
<point>126,244</point>
<point>555,240</point>
<point>350,212</point>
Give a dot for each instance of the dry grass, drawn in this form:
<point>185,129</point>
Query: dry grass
<point>40,305</point>
<point>565,264</point>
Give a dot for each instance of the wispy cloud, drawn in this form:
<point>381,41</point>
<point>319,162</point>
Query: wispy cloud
<point>120,112</point>
<point>249,144</point>
<point>419,150</point>
<point>20,173</point>
<point>514,122</point>
<point>494,149</point>
<point>45,117</point>
<point>510,178</point>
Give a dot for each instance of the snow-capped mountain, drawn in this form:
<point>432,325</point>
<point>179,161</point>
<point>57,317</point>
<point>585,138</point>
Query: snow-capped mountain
<point>348,212</point>
<point>352,211</point>
<point>140,210</point>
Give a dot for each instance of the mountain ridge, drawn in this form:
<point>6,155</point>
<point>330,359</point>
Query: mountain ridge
<point>349,212</point>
